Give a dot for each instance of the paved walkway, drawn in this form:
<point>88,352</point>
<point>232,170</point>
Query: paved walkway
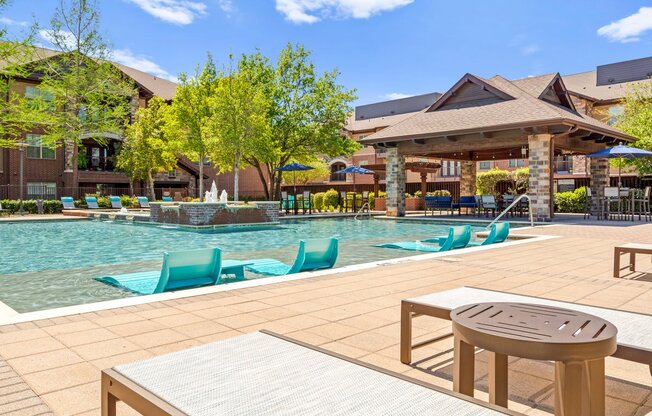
<point>356,314</point>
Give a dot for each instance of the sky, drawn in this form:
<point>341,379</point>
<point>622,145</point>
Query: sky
<point>384,49</point>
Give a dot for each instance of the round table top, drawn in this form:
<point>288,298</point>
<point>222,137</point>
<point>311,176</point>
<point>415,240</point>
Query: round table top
<point>534,331</point>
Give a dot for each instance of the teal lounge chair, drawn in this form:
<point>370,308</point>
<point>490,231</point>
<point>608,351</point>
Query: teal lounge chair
<point>312,255</point>
<point>143,201</point>
<point>68,202</point>
<point>180,270</point>
<point>458,237</point>
<point>116,203</point>
<point>91,202</point>
<point>167,199</point>
<point>498,233</point>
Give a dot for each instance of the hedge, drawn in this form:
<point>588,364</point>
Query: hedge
<point>49,206</point>
<point>571,201</point>
<point>331,198</point>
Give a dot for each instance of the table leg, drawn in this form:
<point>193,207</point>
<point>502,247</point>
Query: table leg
<point>616,262</point>
<point>498,380</point>
<point>632,261</point>
<point>108,400</point>
<point>464,367</point>
<point>406,333</point>
<point>568,389</point>
<point>596,386</point>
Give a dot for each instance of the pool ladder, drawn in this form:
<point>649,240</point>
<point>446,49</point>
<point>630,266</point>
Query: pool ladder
<point>362,210</point>
<point>516,201</point>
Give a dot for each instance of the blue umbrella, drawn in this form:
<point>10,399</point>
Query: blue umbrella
<point>354,170</point>
<point>620,152</point>
<point>294,167</point>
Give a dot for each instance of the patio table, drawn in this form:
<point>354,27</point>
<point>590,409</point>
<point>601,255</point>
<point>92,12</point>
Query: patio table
<point>576,341</point>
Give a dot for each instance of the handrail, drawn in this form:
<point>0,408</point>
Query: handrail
<point>529,209</point>
<point>366,204</point>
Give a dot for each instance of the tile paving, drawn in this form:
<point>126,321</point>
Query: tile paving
<point>53,365</point>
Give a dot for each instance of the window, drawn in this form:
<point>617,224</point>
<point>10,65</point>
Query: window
<point>516,163</point>
<point>338,177</point>
<point>615,112</point>
<point>362,136</point>
<point>450,168</point>
<point>172,173</point>
<point>41,190</point>
<point>485,165</point>
<point>36,149</point>
<point>33,93</point>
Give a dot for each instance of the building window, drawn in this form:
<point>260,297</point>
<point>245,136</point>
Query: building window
<point>486,165</point>
<point>450,168</point>
<point>516,163</point>
<point>338,177</point>
<point>564,164</point>
<point>362,136</point>
<point>36,149</point>
<point>172,173</point>
<point>615,113</point>
<point>41,190</point>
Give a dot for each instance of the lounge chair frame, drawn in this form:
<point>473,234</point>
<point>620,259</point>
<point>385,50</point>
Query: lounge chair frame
<point>411,309</point>
<point>116,387</point>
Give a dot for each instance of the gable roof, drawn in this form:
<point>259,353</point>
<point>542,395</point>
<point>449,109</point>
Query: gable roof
<point>585,85</point>
<point>525,109</point>
<point>481,89</point>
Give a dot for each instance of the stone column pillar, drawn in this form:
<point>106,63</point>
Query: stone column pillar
<point>599,180</point>
<point>395,183</point>
<point>467,178</point>
<point>540,181</point>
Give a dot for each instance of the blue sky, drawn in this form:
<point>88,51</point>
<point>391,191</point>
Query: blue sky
<point>383,48</point>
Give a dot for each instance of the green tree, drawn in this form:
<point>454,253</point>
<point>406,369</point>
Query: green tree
<point>81,95</point>
<point>320,172</point>
<point>306,114</point>
<point>636,120</point>
<point>147,149</point>
<point>239,121</point>
<point>191,114</point>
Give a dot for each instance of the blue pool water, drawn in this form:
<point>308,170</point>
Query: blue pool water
<point>52,264</point>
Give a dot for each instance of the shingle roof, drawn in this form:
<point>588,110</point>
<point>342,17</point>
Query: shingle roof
<point>526,109</point>
<point>585,84</point>
<point>375,123</point>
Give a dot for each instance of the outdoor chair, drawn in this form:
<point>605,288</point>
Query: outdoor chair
<point>264,374</point>
<point>507,200</point>
<point>344,202</point>
<point>287,202</point>
<point>143,201</point>
<point>4,212</point>
<point>313,254</point>
<point>489,204</point>
<point>306,202</point>
<point>167,199</point>
<point>180,270</point>
<point>365,200</point>
<point>91,202</point>
<point>466,202</point>
<point>478,203</point>
<point>641,204</point>
<point>116,203</point>
<point>610,204</point>
<point>497,234</point>
<point>438,203</point>
<point>458,237</point>
<point>68,202</point>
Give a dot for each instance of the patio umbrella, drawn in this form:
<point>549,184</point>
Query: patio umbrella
<point>294,167</point>
<point>356,170</point>
<point>620,152</point>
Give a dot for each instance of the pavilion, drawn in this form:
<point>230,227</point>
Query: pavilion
<point>490,119</point>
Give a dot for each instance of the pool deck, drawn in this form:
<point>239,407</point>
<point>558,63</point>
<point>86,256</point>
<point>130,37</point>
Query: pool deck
<point>55,363</point>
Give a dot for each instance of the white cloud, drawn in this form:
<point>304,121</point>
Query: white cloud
<point>66,39</point>
<point>530,49</point>
<point>142,63</point>
<point>311,11</point>
<point>11,22</point>
<point>227,6</point>
<point>396,96</point>
<point>179,12</point>
<point>628,29</point>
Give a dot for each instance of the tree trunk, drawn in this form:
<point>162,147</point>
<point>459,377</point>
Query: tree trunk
<point>236,177</point>
<point>201,176</point>
<point>150,186</point>
<point>262,178</point>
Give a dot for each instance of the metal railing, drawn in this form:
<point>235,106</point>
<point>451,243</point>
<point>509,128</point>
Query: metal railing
<point>362,210</point>
<point>512,205</point>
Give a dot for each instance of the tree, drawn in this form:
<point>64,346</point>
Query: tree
<point>320,172</point>
<point>81,95</point>
<point>191,114</point>
<point>307,112</point>
<point>239,121</point>
<point>636,120</point>
<point>147,149</point>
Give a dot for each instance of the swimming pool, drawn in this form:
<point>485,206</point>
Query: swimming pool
<point>52,264</point>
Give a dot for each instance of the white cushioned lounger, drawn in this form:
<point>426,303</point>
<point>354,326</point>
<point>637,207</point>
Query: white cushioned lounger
<point>634,334</point>
<point>265,374</point>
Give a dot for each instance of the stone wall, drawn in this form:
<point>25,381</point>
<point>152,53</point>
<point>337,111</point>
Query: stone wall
<point>209,214</point>
<point>468,178</point>
<point>599,180</point>
<point>395,183</point>
<point>540,175</point>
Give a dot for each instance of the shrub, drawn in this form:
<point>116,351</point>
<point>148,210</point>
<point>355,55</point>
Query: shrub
<point>571,201</point>
<point>129,201</point>
<point>418,194</point>
<point>318,200</point>
<point>331,198</point>
<point>102,201</point>
<point>372,198</point>
<point>486,181</point>
<point>439,192</point>
<point>50,206</point>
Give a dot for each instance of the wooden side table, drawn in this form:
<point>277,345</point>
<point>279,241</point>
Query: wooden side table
<point>632,249</point>
<point>576,341</point>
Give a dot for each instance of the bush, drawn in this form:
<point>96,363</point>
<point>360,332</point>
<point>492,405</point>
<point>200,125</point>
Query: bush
<point>331,198</point>
<point>372,198</point>
<point>486,181</point>
<point>102,201</point>
<point>50,206</point>
<point>571,201</point>
<point>318,200</point>
<point>418,194</point>
<point>129,201</point>
<point>439,192</point>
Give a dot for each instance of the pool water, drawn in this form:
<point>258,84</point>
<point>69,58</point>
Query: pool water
<point>52,264</point>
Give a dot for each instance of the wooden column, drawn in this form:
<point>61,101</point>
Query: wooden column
<point>424,185</point>
<point>376,184</point>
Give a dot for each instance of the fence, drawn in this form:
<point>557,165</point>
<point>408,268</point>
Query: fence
<point>452,186</point>
<point>55,192</point>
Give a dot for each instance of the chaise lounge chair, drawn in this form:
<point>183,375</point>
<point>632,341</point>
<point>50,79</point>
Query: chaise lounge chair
<point>180,270</point>
<point>498,233</point>
<point>312,255</point>
<point>265,374</point>
<point>458,237</point>
<point>167,199</point>
<point>143,201</point>
<point>91,202</point>
<point>116,203</point>
<point>68,202</point>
